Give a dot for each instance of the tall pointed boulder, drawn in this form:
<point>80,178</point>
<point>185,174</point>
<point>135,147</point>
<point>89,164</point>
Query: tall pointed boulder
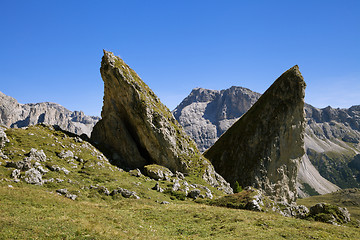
<point>264,147</point>
<point>136,129</point>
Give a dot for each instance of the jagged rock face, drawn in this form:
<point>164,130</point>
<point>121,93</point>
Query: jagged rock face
<point>263,148</point>
<point>138,129</point>
<point>332,137</point>
<point>135,124</point>
<point>16,115</point>
<point>207,114</point>
<point>332,141</point>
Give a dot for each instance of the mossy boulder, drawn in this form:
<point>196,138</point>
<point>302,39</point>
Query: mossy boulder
<point>250,199</point>
<point>328,213</point>
<point>158,172</point>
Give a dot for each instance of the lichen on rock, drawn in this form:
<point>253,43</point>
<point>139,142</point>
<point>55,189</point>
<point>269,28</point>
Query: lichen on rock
<point>263,148</point>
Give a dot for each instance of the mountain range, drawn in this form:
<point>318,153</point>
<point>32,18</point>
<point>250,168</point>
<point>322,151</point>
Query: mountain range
<point>332,136</point>
<point>16,115</point>
<point>140,174</point>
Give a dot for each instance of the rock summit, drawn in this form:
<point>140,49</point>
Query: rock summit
<point>264,147</point>
<point>136,129</point>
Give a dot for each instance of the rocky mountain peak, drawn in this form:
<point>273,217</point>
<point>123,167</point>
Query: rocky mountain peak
<point>206,114</point>
<point>136,129</point>
<point>263,148</point>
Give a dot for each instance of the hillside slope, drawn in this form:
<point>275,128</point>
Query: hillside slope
<point>45,208</point>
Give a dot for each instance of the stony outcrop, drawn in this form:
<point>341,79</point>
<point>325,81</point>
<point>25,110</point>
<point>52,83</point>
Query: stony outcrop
<point>136,129</point>
<point>125,193</point>
<point>3,138</point>
<point>331,135</point>
<point>157,172</point>
<point>264,147</point>
<point>328,213</point>
<point>33,176</point>
<point>16,115</point>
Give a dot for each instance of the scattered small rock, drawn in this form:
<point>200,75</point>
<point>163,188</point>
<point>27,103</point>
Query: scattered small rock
<point>15,174</point>
<point>208,194</point>
<point>176,186</point>
<point>179,175</point>
<point>195,193</point>
<point>65,192</point>
<point>125,193</point>
<point>158,172</point>
<point>3,156</point>
<point>58,169</point>
<point>21,165</point>
<point>135,172</point>
<point>59,180</point>
<point>33,176</point>
<point>48,180</point>
<point>66,154</point>
<point>71,196</point>
<point>294,210</point>
<point>103,190</point>
<point>157,187</point>
<point>3,138</point>
<point>40,168</point>
<point>62,191</point>
<point>37,155</point>
<point>164,202</point>
<point>79,140</point>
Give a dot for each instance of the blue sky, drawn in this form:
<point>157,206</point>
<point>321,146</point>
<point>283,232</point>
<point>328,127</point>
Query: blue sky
<point>51,50</point>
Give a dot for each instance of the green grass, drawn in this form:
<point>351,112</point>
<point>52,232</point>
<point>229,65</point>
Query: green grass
<point>38,212</point>
<point>30,212</point>
<point>309,190</point>
<point>93,170</point>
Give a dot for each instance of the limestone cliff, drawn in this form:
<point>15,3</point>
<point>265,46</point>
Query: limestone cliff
<point>332,141</point>
<point>264,147</point>
<point>17,115</point>
<point>137,129</point>
<point>206,114</point>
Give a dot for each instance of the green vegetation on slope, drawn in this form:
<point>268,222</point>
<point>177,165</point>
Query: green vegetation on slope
<point>89,170</point>
<point>29,211</point>
<point>334,167</point>
<point>349,198</point>
<point>38,212</point>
